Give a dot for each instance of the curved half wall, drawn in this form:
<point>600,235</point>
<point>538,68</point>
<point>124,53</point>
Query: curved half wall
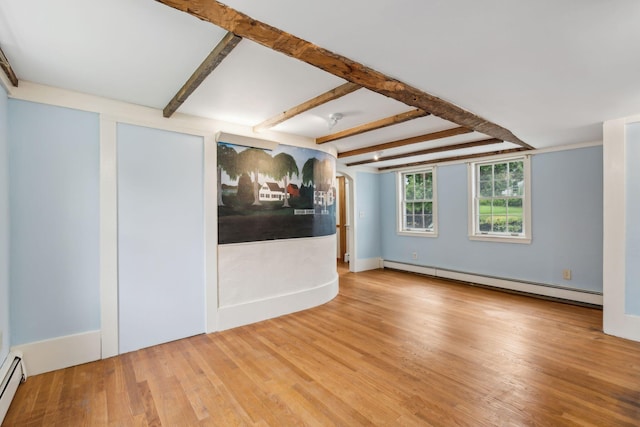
<point>262,280</point>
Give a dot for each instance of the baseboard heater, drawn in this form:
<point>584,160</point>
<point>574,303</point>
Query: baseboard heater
<point>13,373</point>
<point>574,295</point>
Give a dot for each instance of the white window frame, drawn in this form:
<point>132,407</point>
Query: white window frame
<point>400,203</point>
<point>474,233</point>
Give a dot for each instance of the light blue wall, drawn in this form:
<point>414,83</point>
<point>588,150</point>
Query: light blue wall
<point>161,289</point>
<point>367,214</point>
<point>632,277</point>
<point>4,228</point>
<point>566,225</point>
<point>54,211</point>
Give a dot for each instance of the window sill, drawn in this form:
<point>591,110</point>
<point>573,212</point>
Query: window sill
<point>500,239</point>
<point>418,233</point>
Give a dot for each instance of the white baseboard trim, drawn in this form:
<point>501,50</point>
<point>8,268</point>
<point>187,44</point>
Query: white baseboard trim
<point>364,264</point>
<point>268,308</point>
<point>59,353</point>
<point>623,325</point>
<point>551,291</point>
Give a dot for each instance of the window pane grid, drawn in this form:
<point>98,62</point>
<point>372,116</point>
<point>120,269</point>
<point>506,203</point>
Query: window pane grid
<point>417,206</point>
<point>500,198</point>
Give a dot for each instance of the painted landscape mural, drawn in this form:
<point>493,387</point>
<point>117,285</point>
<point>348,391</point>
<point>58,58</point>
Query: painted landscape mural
<point>286,193</point>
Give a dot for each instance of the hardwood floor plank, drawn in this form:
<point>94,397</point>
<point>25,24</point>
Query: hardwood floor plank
<point>223,409</point>
<point>136,404</point>
<point>117,400</point>
<point>392,348</point>
<point>151,415</point>
<point>246,392</point>
<point>188,376</point>
<point>342,383</point>
<point>54,397</point>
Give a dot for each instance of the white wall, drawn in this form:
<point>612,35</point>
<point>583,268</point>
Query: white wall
<point>4,229</point>
<point>632,214</point>
<point>261,280</point>
<point>617,189</point>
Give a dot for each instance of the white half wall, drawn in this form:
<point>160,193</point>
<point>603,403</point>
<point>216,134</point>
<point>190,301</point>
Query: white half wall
<point>263,280</point>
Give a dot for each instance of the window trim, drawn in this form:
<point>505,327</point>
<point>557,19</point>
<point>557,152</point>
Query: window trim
<point>472,168</point>
<point>400,199</point>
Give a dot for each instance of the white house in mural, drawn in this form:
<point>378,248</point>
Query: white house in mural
<point>270,191</point>
<point>324,195</point>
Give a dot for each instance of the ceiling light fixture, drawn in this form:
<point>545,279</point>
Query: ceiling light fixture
<point>333,119</point>
<point>377,156</point>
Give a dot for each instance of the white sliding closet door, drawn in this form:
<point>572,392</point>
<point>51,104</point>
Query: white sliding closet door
<point>161,286</point>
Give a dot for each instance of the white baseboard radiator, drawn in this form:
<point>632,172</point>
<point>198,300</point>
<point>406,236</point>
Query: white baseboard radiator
<point>12,373</point>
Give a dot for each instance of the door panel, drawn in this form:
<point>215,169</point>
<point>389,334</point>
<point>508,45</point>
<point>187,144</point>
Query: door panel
<point>161,288</point>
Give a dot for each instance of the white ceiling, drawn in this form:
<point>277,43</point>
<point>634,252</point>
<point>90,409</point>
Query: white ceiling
<point>550,71</point>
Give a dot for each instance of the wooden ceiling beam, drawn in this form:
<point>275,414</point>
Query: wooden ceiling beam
<point>280,41</point>
<point>335,93</point>
<point>215,58</point>
<point>378,124</point>
<point>8,70</point>
<point>452,159</point>
<point>407,141</point>
<point>453,147</point>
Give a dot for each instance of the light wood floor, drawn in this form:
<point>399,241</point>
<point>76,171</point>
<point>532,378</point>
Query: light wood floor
<point>391,349</point>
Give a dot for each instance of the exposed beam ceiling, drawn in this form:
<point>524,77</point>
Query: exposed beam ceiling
<point>407,141</point>
<point>453,147</point>
<point>217,55</point>
<point>280,41</point>
<point>335,93</point>
<point>378,124</point>
<point>6,67</point>
<point>452,158</point>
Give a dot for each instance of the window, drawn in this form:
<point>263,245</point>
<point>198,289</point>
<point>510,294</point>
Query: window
<point>417,203</point>
<point>500,205</point>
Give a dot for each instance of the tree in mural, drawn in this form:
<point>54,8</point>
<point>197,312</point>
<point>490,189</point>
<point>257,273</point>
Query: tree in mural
<point>318,174</point>
<point>227,161</point>
<point>306,192</point>
<point>256,161</point>
<point>307,171</point>
<point>284,167</point>
<point>244,195</point>
<point>325,172</point>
